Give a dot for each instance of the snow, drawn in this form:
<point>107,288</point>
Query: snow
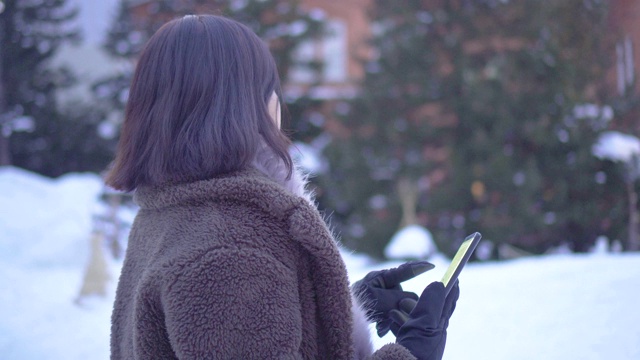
<point>552,307</point>
<point>308,158</point>
<point>44,222</point>
<point>411,242</point>
<point>88,60</point>
<point>616,146</point>
<point>593,111</point>
<point>94,18</point>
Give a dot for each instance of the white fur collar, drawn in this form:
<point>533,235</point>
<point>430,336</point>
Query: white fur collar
<point>272,166</point>
<point>360,333</point>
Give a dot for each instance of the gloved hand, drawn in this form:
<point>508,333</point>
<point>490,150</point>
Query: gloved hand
<point>380,292</point>
<point>424,333</point>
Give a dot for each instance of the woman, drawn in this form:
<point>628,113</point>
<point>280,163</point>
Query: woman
<point>227,257</point>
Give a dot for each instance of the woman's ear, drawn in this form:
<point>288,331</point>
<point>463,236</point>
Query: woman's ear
<point>274,109</point>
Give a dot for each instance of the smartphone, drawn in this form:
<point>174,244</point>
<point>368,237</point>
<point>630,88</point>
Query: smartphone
<point>459,260</point>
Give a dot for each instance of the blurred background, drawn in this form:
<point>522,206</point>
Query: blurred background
<point>420,122</point>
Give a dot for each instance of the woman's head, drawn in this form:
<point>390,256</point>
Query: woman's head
<point>198,105</point>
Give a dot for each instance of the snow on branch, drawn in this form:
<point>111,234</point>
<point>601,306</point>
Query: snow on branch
<point>616,146</point>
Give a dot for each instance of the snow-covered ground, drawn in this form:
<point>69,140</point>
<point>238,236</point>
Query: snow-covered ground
<point>552,307</point>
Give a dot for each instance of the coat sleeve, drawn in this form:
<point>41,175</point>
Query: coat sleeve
<point>392,352</point>
<point>232,304</point>
<point>362,339</point>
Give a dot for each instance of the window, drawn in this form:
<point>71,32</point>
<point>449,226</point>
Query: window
<point>624,65</point>
<point>331,50</point>
<point>335,52</point>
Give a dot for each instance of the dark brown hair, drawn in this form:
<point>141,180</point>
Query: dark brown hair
<point>197,105</point>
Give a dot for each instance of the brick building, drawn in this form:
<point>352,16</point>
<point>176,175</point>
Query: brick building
<point>340,50</point>
<point>624,19</point>
<point>345,45</point>
<point>625,27</point>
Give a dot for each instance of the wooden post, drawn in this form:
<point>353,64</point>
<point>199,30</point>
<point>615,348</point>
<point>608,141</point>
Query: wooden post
<point>408,195</point>
<point>96,275</point>
<point>115,200</point>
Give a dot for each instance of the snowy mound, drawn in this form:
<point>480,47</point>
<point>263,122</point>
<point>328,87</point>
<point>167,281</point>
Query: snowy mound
<point>411,242</point>
<point>616,146</point>
<point>46,221</point>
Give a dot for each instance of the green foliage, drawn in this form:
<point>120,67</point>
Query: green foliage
<point>37,134</point>
<point>482,105</point>
<point>67,141</point>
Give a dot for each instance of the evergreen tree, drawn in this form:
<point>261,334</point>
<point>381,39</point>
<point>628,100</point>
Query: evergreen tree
<point>487,110</point>
<point>30,34</point>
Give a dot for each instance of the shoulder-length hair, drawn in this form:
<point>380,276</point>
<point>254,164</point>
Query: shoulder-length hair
<point>197,106</point>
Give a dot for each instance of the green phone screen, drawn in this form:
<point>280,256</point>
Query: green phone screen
<point>460,259</point>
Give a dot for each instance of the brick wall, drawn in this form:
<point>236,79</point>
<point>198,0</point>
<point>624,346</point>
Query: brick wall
<point>624,18</point>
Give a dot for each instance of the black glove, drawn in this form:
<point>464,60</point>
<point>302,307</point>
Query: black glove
<point>380,292</point>
<point>424,333</point>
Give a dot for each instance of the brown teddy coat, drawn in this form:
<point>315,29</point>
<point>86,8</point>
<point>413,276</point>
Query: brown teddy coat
<point>234,267</point>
